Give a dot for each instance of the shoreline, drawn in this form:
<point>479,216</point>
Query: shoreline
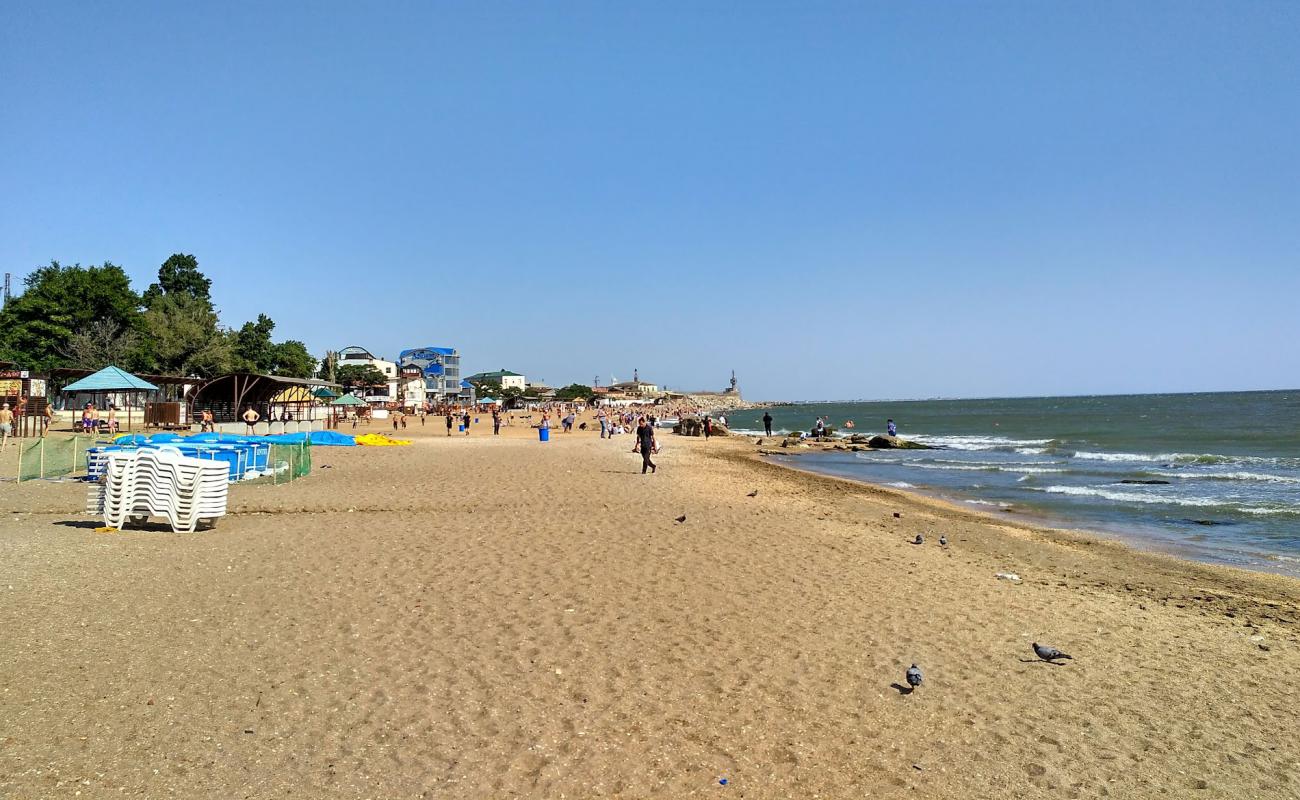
<point>1044,533</point>
<point>1039,519</point>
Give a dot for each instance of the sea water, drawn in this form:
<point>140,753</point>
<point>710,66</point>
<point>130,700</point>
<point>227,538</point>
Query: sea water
<point>1215,476</point>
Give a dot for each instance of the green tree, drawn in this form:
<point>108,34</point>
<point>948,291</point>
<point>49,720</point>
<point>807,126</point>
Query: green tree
<point>58,302</point>
<point>574,391</point>
<point>360,376</point>
<point>185,336</point>
<point>292,360</point>
<point>252,347</point>
<point>179,275</point>
<point>329,366</point>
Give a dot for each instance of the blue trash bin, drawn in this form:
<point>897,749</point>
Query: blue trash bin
<point>543,434</point>
<point>460,428</point>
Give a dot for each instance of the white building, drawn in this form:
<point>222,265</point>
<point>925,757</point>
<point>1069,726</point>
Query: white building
<point>502,377</point>
<point>359,357</point>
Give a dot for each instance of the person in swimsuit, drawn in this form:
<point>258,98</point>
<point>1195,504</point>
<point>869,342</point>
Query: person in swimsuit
<point>250,419</point>
<point>6,425</point>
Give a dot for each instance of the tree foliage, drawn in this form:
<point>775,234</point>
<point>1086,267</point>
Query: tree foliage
<point>179,276</point>
<point>252,347</point>
<point>88,317</point>
<point>574,391</point>
<point>57,302</point>
<point>292,359</point>
<point>361,376</point>
<point>102,343</point>
<point>185,337</point>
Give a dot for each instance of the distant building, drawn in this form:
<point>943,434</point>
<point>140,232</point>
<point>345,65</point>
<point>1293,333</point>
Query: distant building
<point>636,386</point>
<point>440,370</point>
<point>359,357</point>
<point>503,377</point>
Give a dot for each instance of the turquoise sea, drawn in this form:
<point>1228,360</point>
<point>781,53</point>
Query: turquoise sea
<point>1214,477</point>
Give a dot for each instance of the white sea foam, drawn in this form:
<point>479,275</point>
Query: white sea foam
<point>1129,497</point>
<point>1031,451</point>
<point>1089,456</point>
<point>901,485</point>
<point>1182,458</point>
<point>1266,511</point>
<point>1258,477</point>
<point>1033,470</point>
<point>974,442</point>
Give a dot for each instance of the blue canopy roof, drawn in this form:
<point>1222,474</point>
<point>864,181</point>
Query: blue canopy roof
<point>110,379</point>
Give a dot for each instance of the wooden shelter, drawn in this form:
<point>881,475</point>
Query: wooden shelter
<point>228,395</point>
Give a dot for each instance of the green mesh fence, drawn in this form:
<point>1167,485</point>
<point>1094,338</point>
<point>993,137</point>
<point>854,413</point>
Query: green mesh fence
<point>287,462</point>
<point>50,458</point>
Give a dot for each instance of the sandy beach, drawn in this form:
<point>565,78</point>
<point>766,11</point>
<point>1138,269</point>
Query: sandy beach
<point>495,617</point>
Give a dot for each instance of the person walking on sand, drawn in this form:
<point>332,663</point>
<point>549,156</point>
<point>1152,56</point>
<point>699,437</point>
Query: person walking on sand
<point>645,443</point>
<point>250,419</point>
<point>496,422</point>
<point>6,425</point>
<point>767,423</point>
<point>708,426</point>
<point>603,419</point>
<point>465,419</point>
<point>449,422</point>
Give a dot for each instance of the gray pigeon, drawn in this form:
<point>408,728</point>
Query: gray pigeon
<point>943,540</point>
<point>1048,653</point>
<point>919,539</point>
<point>914,676</point>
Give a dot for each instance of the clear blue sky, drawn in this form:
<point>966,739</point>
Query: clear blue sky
<point>837,200</point>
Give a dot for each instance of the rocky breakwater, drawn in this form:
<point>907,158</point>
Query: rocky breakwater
<point>857,443</point>
<point>694,426</point>
<point>714,403</point>
<point>879,442</point>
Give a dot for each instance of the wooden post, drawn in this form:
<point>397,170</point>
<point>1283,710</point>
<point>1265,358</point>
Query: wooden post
<point>41,444</point>
<point>19,476</point>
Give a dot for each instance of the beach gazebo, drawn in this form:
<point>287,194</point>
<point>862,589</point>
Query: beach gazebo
<point>111,380</point>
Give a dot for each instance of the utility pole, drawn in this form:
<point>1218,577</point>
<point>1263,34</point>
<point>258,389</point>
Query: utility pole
<point>595,381</point>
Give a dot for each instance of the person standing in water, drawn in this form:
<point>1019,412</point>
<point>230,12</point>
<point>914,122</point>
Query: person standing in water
<point>767,423</point>
<point>891,428</point>
<point>645,442</point>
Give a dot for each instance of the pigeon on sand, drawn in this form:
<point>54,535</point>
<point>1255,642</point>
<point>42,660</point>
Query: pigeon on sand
<point>914,677</point>
<point>919,539</point>
<point>1048,653</point>
<point>753,494</point>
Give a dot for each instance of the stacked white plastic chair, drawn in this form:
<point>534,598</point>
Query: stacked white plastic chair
<point>160,483</point>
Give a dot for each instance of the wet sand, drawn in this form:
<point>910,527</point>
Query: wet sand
<point>490,617</point>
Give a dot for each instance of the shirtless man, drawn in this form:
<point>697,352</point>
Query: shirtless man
<point>6,425</point>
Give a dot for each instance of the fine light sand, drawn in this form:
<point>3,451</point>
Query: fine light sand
<point>495,617</point>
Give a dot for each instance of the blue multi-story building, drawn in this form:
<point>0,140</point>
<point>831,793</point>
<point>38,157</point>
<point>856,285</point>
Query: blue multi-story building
<point>440,369</point>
